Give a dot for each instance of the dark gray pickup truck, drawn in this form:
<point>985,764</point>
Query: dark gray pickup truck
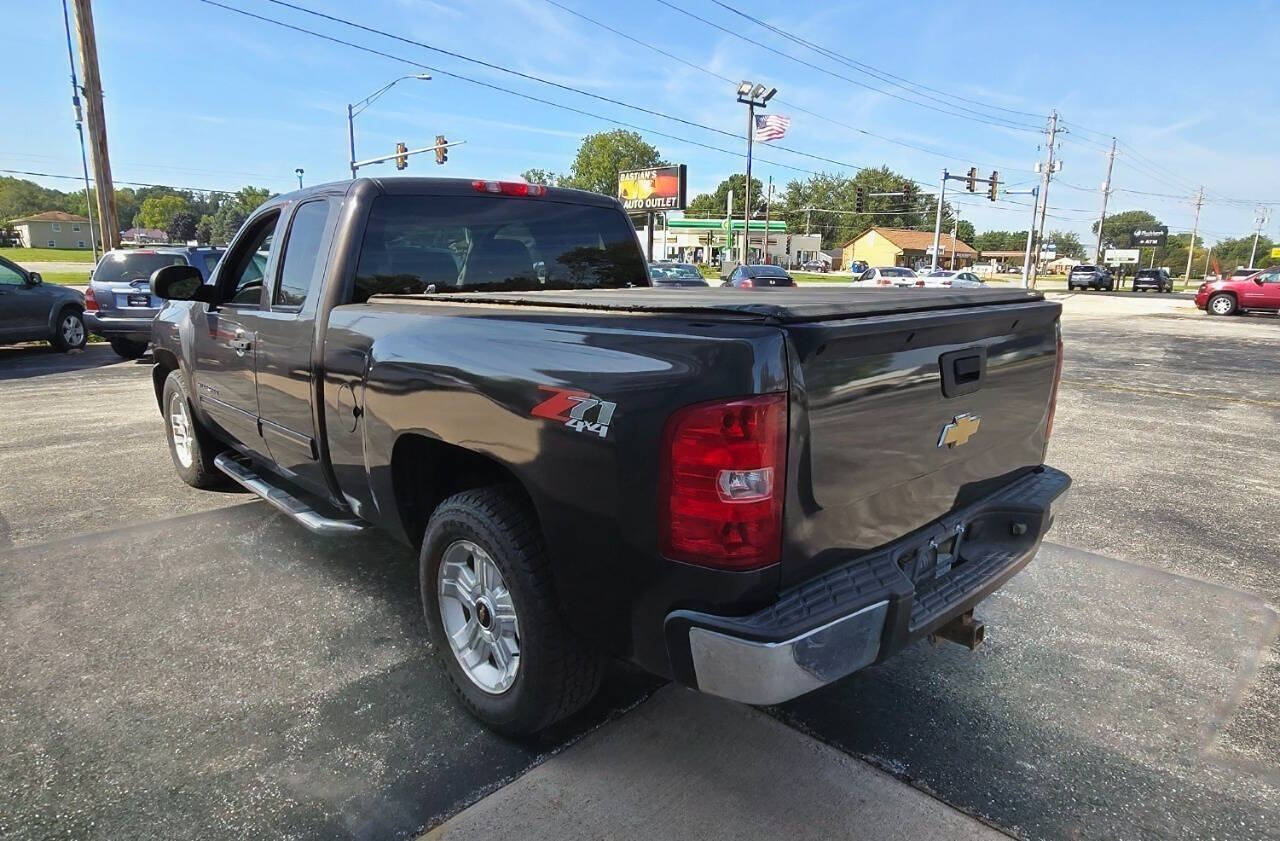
<point>751,493</point>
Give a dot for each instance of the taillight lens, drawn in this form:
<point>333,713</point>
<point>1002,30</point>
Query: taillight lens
<point>509,188</point>
<point>884,281</point>
<point>745,283</point>
<point>1053,395</point>
<point>724,468</point>
<point>90,302</point>
<point>919,283</point>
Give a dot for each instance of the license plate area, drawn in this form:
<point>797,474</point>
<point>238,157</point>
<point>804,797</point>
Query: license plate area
<point>139,299</point>
<point>935,556</point>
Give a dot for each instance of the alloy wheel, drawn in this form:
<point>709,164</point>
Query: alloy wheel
<point>479,617</point>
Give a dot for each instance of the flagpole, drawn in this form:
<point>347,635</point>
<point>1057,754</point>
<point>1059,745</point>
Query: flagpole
<point>746,206</point>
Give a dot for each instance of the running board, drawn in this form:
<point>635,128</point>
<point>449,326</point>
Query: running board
<point>297,510</point>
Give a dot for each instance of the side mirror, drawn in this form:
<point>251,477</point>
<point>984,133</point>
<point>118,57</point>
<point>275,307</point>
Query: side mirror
<point>180,283</point>
<point>1257,279</point>
<point>34,279</point>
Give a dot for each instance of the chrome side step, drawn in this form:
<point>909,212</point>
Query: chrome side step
<point>297,510</point>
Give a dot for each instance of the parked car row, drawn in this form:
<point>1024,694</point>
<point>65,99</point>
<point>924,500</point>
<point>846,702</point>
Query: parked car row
<point>33,311</point>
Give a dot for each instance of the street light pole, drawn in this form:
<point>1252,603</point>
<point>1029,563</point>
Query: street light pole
<point>299,172</point>
<point>1262,219</point>
<point>1026,257</point>
<point>752,96</point>
<point>354,110</point>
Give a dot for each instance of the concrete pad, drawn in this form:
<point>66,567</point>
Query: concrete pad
<point>1090,712</point>
<point>686,765</point>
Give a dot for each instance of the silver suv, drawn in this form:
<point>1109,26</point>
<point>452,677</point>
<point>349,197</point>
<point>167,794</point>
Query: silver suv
<point>118,303</point>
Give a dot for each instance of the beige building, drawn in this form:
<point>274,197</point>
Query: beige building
<point>52,229</point>
<point>899,247</point>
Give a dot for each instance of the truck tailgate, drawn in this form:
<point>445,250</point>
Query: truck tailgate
<point>900,419</point>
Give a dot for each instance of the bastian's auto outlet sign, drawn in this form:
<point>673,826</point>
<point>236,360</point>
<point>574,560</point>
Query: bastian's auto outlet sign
<point>658,188</point>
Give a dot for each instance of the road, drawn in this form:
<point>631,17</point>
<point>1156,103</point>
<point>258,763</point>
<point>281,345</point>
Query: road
<point>190,664</point>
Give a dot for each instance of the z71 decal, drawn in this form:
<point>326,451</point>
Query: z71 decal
<point>578,410</point>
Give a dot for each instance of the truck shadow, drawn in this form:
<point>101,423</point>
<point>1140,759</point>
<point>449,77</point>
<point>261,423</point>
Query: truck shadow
<point>229,657</point>
<point>35,360</point>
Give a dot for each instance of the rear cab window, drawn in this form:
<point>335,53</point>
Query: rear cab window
<point>419,244</point>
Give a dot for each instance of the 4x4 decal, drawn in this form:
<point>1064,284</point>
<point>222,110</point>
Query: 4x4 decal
<point>578,410</point>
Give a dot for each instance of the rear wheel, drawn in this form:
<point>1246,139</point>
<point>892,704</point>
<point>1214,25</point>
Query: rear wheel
<point>1221,305</point>
<point>486,591</point>
<point>128,348</point>
<point>191,447</point>
<point>69,332</point>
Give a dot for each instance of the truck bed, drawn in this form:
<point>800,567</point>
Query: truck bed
<point>778,306</point>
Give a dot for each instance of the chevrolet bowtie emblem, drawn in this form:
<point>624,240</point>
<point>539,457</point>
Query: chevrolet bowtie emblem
<point>959,431</point>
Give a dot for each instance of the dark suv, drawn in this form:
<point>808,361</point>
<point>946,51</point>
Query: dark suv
<point>1157,279</point>
<point>1090,277</point>
<point>118,304</point>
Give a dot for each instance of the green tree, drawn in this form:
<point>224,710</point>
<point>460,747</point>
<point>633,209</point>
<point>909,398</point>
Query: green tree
<point>965,232</point>
<point>833,198</point>
<point>1066,243</point>
<point>204,229</point>
<point>182,226</point>
<point>602,156</point>
<point>1117,231</point>
<point>545,177</point>
<point>231,213</point>
<point>158,211</point>
<point>715,204</point>
<point>1000,241</point>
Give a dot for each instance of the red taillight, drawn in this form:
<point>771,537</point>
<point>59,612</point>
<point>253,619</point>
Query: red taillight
<point>745,283</point>
<point>884,281</point>
<point>1053,395</point>
<point>724,469</point>
<point>920,283</point>
<point>90,302</point>
<point>509,188</point>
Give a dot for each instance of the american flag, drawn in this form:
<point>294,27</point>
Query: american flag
<point>772,127</point>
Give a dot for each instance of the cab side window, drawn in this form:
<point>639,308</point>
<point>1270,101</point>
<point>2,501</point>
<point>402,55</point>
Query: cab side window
<point>301,254</point>
<point>240,280</point>
<point>1272,276</point>
<point>10,276</point>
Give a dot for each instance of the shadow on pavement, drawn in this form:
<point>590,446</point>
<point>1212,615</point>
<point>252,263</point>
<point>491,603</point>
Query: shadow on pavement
<point>34,360</point>
<point>1091,711</point>
<point>228,674</point>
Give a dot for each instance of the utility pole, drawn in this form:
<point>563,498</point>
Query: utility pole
<point>84,156</point>
<point>108,225</point>
<point>1195,228</point>
<point>1044,194</point>
<point>937,221</point>
<point>806,220</point>
<point>1106,193</point>
<point>955,229</point>
<point>1263,217</point>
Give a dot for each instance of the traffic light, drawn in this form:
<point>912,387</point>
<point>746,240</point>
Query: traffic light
<point>993,185</point>
<point>908,193</point>
<point>973,178</point>
<point>442,154</point>
<point>402,159</point>
<point>859,199</point>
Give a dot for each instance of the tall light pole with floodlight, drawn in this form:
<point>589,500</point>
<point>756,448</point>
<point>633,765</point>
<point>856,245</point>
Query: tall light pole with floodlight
<point>353,110</point>
<point>752,96</point>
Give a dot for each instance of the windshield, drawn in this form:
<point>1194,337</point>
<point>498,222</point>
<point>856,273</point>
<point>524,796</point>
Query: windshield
<point>1148,273</point>
<point>417,244</point>
<point>1082,269</point>
<point>766,271</point>
<point>126,266</point>
<point>897,273</point>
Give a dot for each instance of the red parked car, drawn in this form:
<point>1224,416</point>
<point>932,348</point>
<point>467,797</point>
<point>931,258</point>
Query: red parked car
<point>1257,291</point>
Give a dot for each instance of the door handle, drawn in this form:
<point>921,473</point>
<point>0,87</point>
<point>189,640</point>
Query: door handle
<point>240,344</point>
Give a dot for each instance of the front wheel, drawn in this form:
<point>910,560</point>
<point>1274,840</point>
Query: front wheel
<point>485,581</point>
<point>190,446</point>
<point>128,348</point>
<point>69,334</point>
<point>1221,305</point>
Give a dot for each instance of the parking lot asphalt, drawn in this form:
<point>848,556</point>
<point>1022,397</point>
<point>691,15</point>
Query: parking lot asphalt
<point>187,664</point>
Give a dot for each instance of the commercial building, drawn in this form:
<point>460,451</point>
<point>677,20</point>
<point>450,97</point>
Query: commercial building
<point>901,247</point>
<point>52,229</point>
<point>715,240</point>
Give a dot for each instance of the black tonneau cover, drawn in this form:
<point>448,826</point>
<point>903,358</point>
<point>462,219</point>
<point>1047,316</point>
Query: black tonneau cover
<point>775,305</point>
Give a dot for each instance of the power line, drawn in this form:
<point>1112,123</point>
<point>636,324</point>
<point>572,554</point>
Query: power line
<point>118,181</point>
<point>875,72</point>
<point>779,100</point>
<point>531,77</point>
<point>833,74</point>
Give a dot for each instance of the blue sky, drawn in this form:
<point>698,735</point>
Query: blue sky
<point>199,96</point>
